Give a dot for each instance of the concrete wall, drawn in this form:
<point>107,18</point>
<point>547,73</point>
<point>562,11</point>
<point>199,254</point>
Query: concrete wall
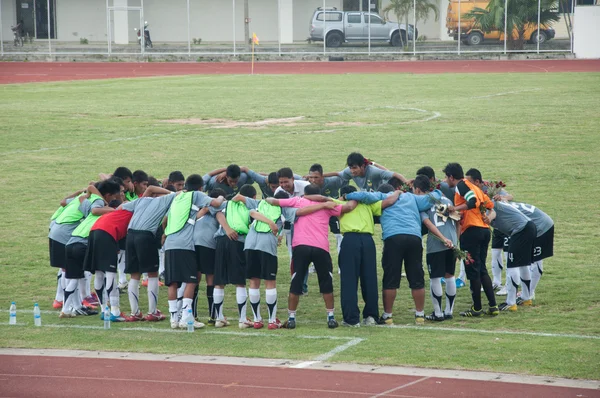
<point>586,32</point>
<point>9,18</point>
<point>77,19</point>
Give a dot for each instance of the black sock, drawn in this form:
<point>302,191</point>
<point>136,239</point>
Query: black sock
<point>476,293</point>
<point>195,303</point>
<point>488,288</point>
<point>209,297</point>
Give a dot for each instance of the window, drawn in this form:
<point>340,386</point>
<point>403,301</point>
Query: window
<point>354,18</point>
<point>374,19</point>
<point>330,16</point>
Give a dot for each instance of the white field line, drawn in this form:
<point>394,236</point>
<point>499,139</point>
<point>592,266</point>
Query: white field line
<point>505,93</point>
<point>412,383</point>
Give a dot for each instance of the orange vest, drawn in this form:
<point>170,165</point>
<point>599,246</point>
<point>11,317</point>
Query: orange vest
<point>473,217</point>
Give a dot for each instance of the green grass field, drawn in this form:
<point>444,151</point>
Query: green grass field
<point>537,132</point>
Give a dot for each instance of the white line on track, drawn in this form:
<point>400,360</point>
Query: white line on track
<point>400,387</point>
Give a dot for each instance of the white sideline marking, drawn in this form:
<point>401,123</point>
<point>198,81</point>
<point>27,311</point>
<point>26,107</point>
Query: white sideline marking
<point>338,349</point>
<point>412,383</point>
<point>506,93</point>
<point>434,115</point>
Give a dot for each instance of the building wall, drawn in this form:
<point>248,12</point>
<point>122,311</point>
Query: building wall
<point>9,18</point>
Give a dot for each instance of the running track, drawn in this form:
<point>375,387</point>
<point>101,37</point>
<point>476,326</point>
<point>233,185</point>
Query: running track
<point>62,377</point>
<point>24,72</point>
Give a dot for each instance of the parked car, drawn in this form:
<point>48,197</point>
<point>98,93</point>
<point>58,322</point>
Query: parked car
<point>338,27</point>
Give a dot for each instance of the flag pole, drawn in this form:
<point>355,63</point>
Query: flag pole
<point>253,54</point>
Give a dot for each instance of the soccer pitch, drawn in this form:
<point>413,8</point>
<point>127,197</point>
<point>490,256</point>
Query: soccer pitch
<point>537,132</point>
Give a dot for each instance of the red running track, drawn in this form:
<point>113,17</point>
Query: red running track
<point>24,72</point>
<point>30,376</point>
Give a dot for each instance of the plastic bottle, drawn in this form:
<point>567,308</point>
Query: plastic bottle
<point>37,316</point>
<point>106,317</point>
<point>190,321</point>
<point>13,314</point>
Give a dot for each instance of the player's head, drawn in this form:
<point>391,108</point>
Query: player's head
<point>286,179</point>
<point>282,195</point>
<point>427,171</point>
<point>357,164</point>
<point>115,203</point>
<point>312,189</point>
<point>474,177</point>
<point>395,182</point>
<point>454,173</point>
<point>232,175</point>
<point>346,189</point>
<point>273,181</point>
<point>153,182</point>
<point>126,175</point>
<point>216,192</point>
<point>122,186</point>
<point>177,179</point>
<point>386,188</point>
<point>315,175</point>
<point>194,182</point>
<point>421,184</point>
<point>109,189</point>
<point>140,182</point>
<point>248,191</point>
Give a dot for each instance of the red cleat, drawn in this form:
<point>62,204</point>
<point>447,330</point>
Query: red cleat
<point>135,317</point>
<point>259,324</point>
<point>275,325</point>
<point>57,305</point>
<point>145,283</point>
<point>161,283</point>
<point>88,302</point>
<point>156,317</point>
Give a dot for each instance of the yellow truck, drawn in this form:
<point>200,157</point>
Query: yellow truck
<point>473,35</point>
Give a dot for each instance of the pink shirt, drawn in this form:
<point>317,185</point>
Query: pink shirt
<point>313,229</point>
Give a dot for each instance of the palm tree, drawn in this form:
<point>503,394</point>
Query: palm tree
<point>404,8</point>
<point>423,9</point>
<point>400,8</point>
<point>520,15</point>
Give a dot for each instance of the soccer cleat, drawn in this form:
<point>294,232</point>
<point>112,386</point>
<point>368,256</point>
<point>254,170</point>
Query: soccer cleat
<point>332,323</point>
<point>160,283</point>
<point>88,303</point>
<point>496,286</point>
<point>259,324</point>
<point>506,307</point>
<point>197,325</point>
<point>502,292</point>
<point>57,305</point>
<point>211,322</point>
<point>123,285</point>
<point>369,321</point>
<point>64,315</point>
<point>156,317</point>
<point>434,317</point>
<point>246,324</point>
<point>290,323</point>
<point>419,320</point>
<point>117,318</point>
<point>459,283</point>
<point>472,313</point>
<point>95,298</point>
<point>275,325</point>
<point>221,323</point>
<point>527,303</point>
<point>385,321</point>
<point>145,283</point>
<point>85,311</point>
<point>350,325</point>
<point>493,311</point>
<point>174,324</point>
<point>448,316</point>
<point>135,317</point>
<point>311,269</point>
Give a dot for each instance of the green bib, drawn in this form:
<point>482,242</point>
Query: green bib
<point>130,196</point>
<point>238,217</point>
<point>57,213</point>
<point>71,213</point>
<point>83,230</point>
<point>271,212</point>
<point>179,213</point>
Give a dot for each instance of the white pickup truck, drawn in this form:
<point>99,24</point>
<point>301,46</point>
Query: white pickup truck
<point>337,27</point>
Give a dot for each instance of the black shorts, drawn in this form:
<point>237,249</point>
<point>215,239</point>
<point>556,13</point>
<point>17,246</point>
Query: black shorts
<point>402,249</point>
<point>57,254</point>
<point>302,256</point>
<point>441,263</point>
<point>180,266</point>
<point>230,262</point>
<point>261,265</point>
<point>141,253</point>
<point>499,240</point>
<point>520,247</point>
<point>476,240</point>
<point>102,252</point>
<point>205,259</point>
<point>334,225</point>
<point>123,244</point>
<point>75,254</point>
<point>543,247</point>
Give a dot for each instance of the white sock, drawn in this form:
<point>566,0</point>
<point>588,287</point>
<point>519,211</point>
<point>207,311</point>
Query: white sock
<point>462,274</point>
<point>133,291</point>
<point>81,289</point>
<point>161,261</point>
<point>497,265</point>
<point>187,305</point>
<point>271,299</point>
<point>450,295</point>
<point>218,297</point>
<point>436,295</point>
<point>88,284</point>
<point>525,274</point>
<point>512,284</point>
<point>505,256</point>
<point>70,302</point>
<point>99,283</point>
<point>113,293</point>
<point>254,295</point>
<point>241,297</point>
<point>338,238</point>
<point>536,269</point>
<point>121,267</point>
<point>60,291</point>
<point>152,295</point>
<point>173,310</point>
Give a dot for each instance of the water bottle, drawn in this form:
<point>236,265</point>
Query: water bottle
<point>106,317</point>
<point>37,316</point>
<point>190,321</point>
<point>13,314</point>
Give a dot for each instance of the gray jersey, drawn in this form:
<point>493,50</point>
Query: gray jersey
<point>262,241</point>
<point>447,228</point>
<point>148,213</point>
<point>211,183</point>
<point>184,239</point>
<point>251,204</point>
<point>204,231</point>
<point>542,221</point>
<point>447,191</point>
<point>86,209</point>
<point>332,185</point>
<point>374,177</point>
<point>62,232</point>
<point>508,219</point>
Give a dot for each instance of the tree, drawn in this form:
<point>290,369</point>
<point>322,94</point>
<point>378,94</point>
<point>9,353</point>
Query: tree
<point>521,14</point>
<point>400,8</point>
<point>423,9</point>
<point>404,8</point>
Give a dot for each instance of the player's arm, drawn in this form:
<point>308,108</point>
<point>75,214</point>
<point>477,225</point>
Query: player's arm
<point>470,197</point>
<point>391,199</point>
<point>216,202</point>
<point>318,198</point>
<point>98,211</point>
<point>433,229</point>
<point>63,202</point>
<point>504,196</point>
<point>153,192</point>
<point>489,216</point>
<point>349,206</point>
<point>231,234</point>
<point>261,217</point>
<point>303,211</point>
<point>202,212</point>
<point>366,197</point>
<point>239,198</point>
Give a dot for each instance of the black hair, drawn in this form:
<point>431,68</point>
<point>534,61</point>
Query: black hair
<point>386,188</point>
<point>475,174</point>
<point>427,171</point>
<point>316,167</point>
<point>312,189</point>
<point>273,178</point>
<point>117,180</point>
<point>248,191</point>
<point>345,190</point>
<point>152,181</point>
<point>454,170</point>
<point>285,172</point>
<point>216,192</point>
<point>395,182</point>
<point>139,176</point>
<point>282,195</point>
<point>422,182</point>
<point>194,182</point>
<point>170,188</point>
<point>109,187</point>
<point>123,173</point>
<point>176,176</point>
<point>355,159</point>
<point>115,203</point>
<point>233,171</point>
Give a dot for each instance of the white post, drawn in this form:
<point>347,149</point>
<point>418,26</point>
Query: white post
<point>414,27</point>
<point>325,26</point>
<point>1,41</point>
<point>505,23</point>
<point>279,25</point>
<point>188,29</point>
<point>572,16</point>
<point>459,40</point>
<point>143,23</point>
<point>233,3</point>
<point>49,42</point>
<point>538,27</point>
<point>368,15</point>
<point>108,38</point>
